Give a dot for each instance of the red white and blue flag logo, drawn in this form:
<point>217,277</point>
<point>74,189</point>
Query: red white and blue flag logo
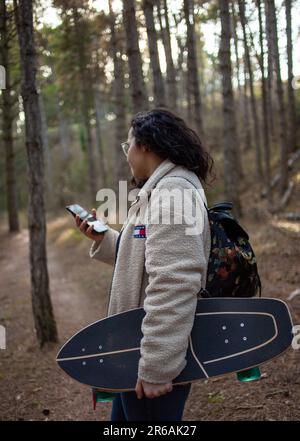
<point>139,231</point>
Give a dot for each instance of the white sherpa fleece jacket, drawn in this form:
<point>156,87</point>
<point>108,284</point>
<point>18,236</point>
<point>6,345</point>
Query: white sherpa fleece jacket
<point>162,272</point>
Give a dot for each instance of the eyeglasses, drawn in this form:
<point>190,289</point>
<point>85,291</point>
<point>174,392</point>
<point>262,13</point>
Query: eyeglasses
<point>125,147</point>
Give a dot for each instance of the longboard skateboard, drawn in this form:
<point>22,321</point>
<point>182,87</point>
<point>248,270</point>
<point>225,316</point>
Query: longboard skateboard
<point>228,335</point>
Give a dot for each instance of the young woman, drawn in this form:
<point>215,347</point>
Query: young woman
<point>158,266</point>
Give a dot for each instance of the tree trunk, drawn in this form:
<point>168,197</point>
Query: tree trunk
<point>238,100</point>
<point>180,74</point>
<point>192,66</point>
<point>136,77</point>
<point>47,155</point>
<point>99,144</point>
<point>7,125</point>
<point>271,16</point>
<point>246,112</point>
<point>62,122</point>
<point>214,83</point>
<point>292,121</point>
<point>42,308</point>
<point>158,82</point>
<point>122,170</point>
<point>259,170</point>
<point>201,56</point>
<point>171,72</point>
<point>241,99</point>
<point>230,140</point>
<point>85,105</point>
<point>272,104</point>
<point>265,110</point>
<point>64,137</point>
<point>236,50</point>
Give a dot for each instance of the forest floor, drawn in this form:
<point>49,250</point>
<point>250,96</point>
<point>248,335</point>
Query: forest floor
<point>32,387</point>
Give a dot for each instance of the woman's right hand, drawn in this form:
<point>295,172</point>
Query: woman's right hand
<point>88,231</point>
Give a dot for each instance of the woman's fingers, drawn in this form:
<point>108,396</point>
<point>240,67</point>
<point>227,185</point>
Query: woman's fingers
<point>83,225</point>
<point>89,230</point>
<point>77,219</point>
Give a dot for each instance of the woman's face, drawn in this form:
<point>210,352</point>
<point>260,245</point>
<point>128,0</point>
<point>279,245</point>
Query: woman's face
<point>137,158</point>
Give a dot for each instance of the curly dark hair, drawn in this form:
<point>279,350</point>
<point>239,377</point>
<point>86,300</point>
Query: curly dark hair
<point>168,135</point>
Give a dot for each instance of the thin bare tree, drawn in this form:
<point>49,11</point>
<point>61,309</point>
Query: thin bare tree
<point>265,109</point>
<point>192,67</point>
<point>258,162</point>
<point>42,308</point>
<point>271,19</point>
<point>172,94</point>
<point>118,98</point>
<point>292,120</point>
<point>231,181</point>
<point>136,77</point>
<point>158,82</point>
<point>99,142</point>
<point>83,57</point>
<point>8,111</point>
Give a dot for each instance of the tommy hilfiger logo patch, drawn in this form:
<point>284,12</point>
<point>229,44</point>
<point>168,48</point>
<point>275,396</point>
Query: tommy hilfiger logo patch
<point>139,231</point>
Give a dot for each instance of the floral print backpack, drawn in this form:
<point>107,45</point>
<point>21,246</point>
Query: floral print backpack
<point>232,268</point>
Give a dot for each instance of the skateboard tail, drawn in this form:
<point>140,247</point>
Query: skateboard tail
<point>244,334</point>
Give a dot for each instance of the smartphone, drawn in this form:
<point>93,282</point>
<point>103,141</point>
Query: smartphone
<point>98,226</point>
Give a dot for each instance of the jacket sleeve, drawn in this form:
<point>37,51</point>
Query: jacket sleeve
<point>174,262</point>
<point>106,250</point>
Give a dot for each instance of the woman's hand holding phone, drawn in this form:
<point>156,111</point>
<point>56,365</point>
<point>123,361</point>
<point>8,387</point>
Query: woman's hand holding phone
<point>88,232</point>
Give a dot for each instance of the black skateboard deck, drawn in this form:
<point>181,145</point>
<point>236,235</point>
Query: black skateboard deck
<point>228,335</point>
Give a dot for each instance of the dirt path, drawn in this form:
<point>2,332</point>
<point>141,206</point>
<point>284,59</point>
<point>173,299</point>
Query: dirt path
<point>32,384</point>
<point>32,387</point>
